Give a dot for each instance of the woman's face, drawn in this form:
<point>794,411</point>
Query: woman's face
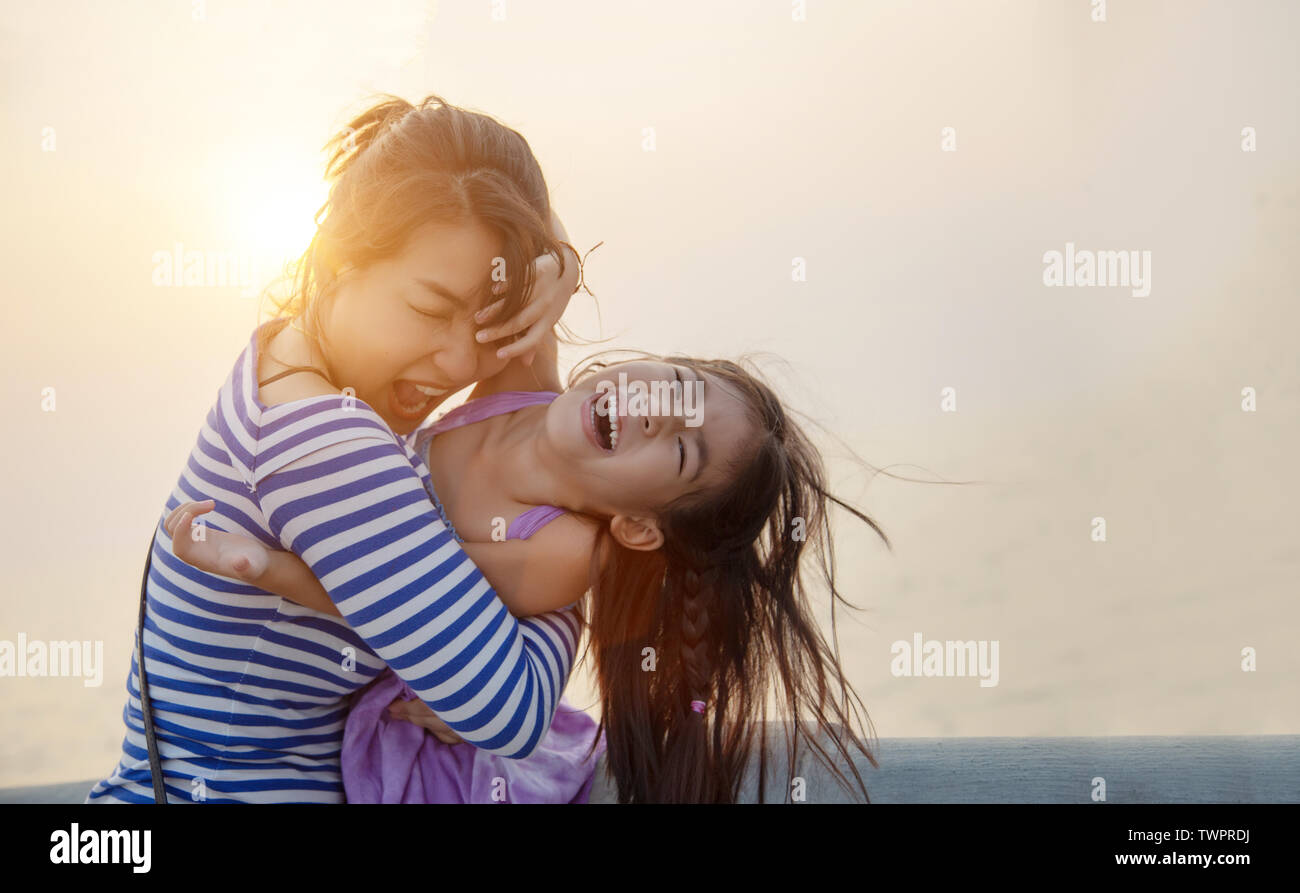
<point>400,332</point>
<point>637,459</point>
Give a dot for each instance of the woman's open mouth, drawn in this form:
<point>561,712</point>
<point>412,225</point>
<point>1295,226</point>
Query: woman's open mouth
<point>413,400</point>
<point>600,420</point>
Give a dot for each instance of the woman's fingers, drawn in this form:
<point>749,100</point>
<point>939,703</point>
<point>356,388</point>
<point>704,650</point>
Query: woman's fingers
<point>533,323</point>
<point>410,709</point>
<point>489,311</point>
<point>527,344</point>
<point>526,317</point>
<point>492,309</point>
<point>441,730</point>
<point>419,713</point>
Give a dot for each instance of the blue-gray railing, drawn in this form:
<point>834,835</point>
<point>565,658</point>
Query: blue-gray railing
<point>1209,769</point>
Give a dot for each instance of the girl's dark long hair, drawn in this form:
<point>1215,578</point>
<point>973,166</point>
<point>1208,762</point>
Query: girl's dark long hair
<point>721,614</point>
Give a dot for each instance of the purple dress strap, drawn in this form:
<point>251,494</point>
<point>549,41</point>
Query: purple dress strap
<point>534,519</point>
<point>485,407</point>
<point>496,404</point>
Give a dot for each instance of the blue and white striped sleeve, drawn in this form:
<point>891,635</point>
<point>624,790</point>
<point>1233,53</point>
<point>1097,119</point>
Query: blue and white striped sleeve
<point>357,513</point>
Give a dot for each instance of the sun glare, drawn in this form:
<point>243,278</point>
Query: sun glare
<point>273,210</point>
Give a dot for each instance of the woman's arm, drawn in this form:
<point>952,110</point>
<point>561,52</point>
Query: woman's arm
<point>546,572</point>
<point>356,511</point>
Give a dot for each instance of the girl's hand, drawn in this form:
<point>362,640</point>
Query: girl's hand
<point>419,713</point>
<point>215,551</point>
<point>545,305</point>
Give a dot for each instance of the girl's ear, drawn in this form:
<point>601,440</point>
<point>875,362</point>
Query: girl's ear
<point>642,534</point>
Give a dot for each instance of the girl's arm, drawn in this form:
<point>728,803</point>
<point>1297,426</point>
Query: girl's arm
<point>546,572</point>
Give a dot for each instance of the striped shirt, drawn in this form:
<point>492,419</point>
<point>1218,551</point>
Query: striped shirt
<point>250,691</point>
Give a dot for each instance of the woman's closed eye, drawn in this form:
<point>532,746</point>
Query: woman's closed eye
<point>440,315</point>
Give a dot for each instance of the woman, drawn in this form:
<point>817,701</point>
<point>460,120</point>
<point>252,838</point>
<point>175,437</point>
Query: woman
<point>429,208</point>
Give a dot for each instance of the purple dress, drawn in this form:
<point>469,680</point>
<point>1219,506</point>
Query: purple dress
<point>387,760</point>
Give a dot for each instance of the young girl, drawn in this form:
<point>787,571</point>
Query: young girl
<point>430,208</point>
<point>690,538</point>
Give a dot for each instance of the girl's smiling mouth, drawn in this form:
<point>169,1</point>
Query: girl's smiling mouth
<point>601,426</point>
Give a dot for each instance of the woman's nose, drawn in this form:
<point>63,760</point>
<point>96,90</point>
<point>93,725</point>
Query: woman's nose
<point>463,360</point>
<point>457,358</point>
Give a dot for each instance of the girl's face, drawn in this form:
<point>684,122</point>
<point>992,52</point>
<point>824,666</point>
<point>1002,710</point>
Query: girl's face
<point>400,331</point>
<point>628,463</point>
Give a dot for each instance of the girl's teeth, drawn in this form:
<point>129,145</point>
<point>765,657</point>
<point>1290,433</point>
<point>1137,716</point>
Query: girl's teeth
<point>613,422</point>
<point>428,391</point>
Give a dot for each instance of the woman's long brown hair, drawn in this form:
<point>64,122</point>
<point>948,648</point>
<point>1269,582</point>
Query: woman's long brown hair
<point>721,614</point>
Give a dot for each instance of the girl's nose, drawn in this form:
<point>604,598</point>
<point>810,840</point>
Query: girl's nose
<point>653,424</point>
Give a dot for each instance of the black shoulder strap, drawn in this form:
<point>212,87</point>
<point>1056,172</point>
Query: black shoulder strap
<point>146,705</point>
<point>290,371</point>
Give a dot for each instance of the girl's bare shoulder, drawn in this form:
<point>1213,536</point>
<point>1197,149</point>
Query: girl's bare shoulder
<point>561,552</point>
<point>546,572</point>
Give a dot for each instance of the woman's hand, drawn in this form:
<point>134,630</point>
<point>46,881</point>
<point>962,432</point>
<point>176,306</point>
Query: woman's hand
<point>419,713</point>
<point>545,305</point>
<point>215,551</point>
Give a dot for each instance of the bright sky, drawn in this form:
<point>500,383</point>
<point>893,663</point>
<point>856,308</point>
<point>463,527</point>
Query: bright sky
<point>130,128</point>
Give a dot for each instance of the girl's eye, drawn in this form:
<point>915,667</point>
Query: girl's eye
<point>681,453</point>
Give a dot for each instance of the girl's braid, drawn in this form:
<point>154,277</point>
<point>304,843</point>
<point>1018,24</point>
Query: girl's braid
<point>697,592</point>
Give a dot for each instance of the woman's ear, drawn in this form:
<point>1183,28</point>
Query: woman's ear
<point>641,534</point>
